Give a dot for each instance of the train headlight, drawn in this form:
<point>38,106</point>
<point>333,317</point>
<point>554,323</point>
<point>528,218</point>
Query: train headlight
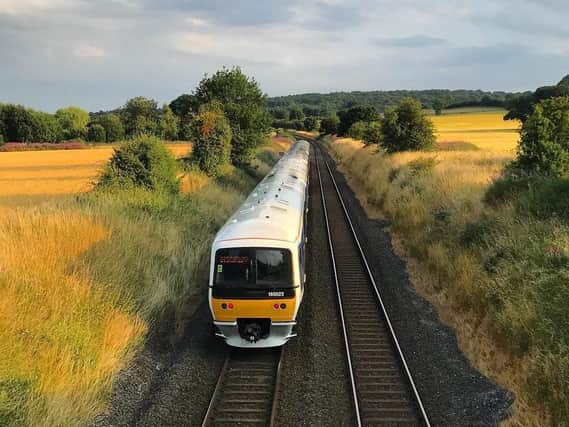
<point>283,306</point>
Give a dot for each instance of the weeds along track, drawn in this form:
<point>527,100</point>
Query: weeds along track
<point>384,393</point>
<point>247,389</point>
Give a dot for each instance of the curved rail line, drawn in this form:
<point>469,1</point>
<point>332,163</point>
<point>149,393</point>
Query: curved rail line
<point>247,390</point>
<point>384,392</point>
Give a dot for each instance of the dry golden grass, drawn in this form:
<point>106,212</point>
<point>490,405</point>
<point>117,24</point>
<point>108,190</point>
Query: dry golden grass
<point>57,172</point>
<point>486,130</point>
<point>58,354</point>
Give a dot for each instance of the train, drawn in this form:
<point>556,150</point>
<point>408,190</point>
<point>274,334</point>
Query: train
<point>257,265</point>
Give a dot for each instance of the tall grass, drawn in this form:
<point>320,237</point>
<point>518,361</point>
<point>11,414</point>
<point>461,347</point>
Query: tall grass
<point>503,266</point>
<point>84,280</point>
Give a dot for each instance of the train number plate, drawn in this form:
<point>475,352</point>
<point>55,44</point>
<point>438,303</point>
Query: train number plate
<point>276,294</point>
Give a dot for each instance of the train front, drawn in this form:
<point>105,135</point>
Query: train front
<point>253,295</point>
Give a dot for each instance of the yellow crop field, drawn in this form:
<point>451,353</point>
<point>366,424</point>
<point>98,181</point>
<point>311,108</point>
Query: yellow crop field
<point>486,130</point>
<point>34,173</point>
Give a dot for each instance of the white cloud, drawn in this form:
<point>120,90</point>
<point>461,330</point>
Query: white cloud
<point>19,7</point>
<point>86,51</point>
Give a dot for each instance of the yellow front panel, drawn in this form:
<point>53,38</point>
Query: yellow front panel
<point>253,308</point>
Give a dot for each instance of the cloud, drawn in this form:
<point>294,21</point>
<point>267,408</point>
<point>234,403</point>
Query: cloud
<point>415,41</point>
<point>99,53</point>
<point>88,51</point>
<point>20,7</point>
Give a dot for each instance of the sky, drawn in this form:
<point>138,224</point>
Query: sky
<point>97,54</point>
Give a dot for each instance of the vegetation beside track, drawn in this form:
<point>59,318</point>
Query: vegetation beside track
<point>497,273</point>
<point>85,279</point>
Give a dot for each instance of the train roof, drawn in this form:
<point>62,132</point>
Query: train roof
<point>274,210</point>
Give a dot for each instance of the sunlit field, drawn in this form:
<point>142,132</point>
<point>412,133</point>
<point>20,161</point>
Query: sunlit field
<point>34,173</point>
<point>486,130</point>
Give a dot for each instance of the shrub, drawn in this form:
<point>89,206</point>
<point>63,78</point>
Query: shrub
<point>141,162</point>
<point>329,125</point>
<point>357,130</point>
<point>96,133</point>
<point>212,139</point>
<point>544,142</point>
<point>360,113</point>
<point>372,133</point>
<point>406,127</point>
<point>310,123</point>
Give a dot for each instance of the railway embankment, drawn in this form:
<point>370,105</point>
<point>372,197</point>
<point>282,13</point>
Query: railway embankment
<point>495,273</point>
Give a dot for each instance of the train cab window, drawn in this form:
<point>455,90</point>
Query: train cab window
<point>273,267</point>
<point>233,267</point>
<point>253,268</point>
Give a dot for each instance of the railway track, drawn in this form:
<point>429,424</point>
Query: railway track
<point>384,393</point>
<point>247,389</point>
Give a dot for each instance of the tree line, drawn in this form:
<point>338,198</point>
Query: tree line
<point>324,105</point>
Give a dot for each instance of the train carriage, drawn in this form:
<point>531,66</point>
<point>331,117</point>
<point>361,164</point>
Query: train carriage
<point>257,275</point>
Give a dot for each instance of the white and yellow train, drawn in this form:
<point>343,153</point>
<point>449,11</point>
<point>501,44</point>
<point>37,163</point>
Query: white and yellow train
<point>257,277</point>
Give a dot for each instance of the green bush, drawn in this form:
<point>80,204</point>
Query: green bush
<point>310,123</point>
<point>357,130</point>
<point>372,133</point>
<point>329,125</point>
<point>96,133</point>
<point>406,127</point>
<point>212,139</point>
<point>538,196</point>
<point>544,142</point>
<point>141,162</point>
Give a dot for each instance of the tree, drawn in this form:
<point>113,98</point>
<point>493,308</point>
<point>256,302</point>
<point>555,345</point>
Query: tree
<point>114,129</point>
<point>372,133</point>
<point>310,123</point>
<point>140,116</point>
<point>168,124</point>
<point>211,134</point>
<point>360,113</point>
<point>544,142</point>
<point>357,130</point>
<point>185,105</point>
<point>244,106</point>
<point>96,133</point>
<point>438,105</point>
<point>329,125</point>
<point>73,121</point>
<point>142,162</point>
<point>296,113</point>
<point>406,127</point>
<point>520,107</point>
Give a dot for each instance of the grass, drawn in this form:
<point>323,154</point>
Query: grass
<point>86,279</point>
<point>498,273</point>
